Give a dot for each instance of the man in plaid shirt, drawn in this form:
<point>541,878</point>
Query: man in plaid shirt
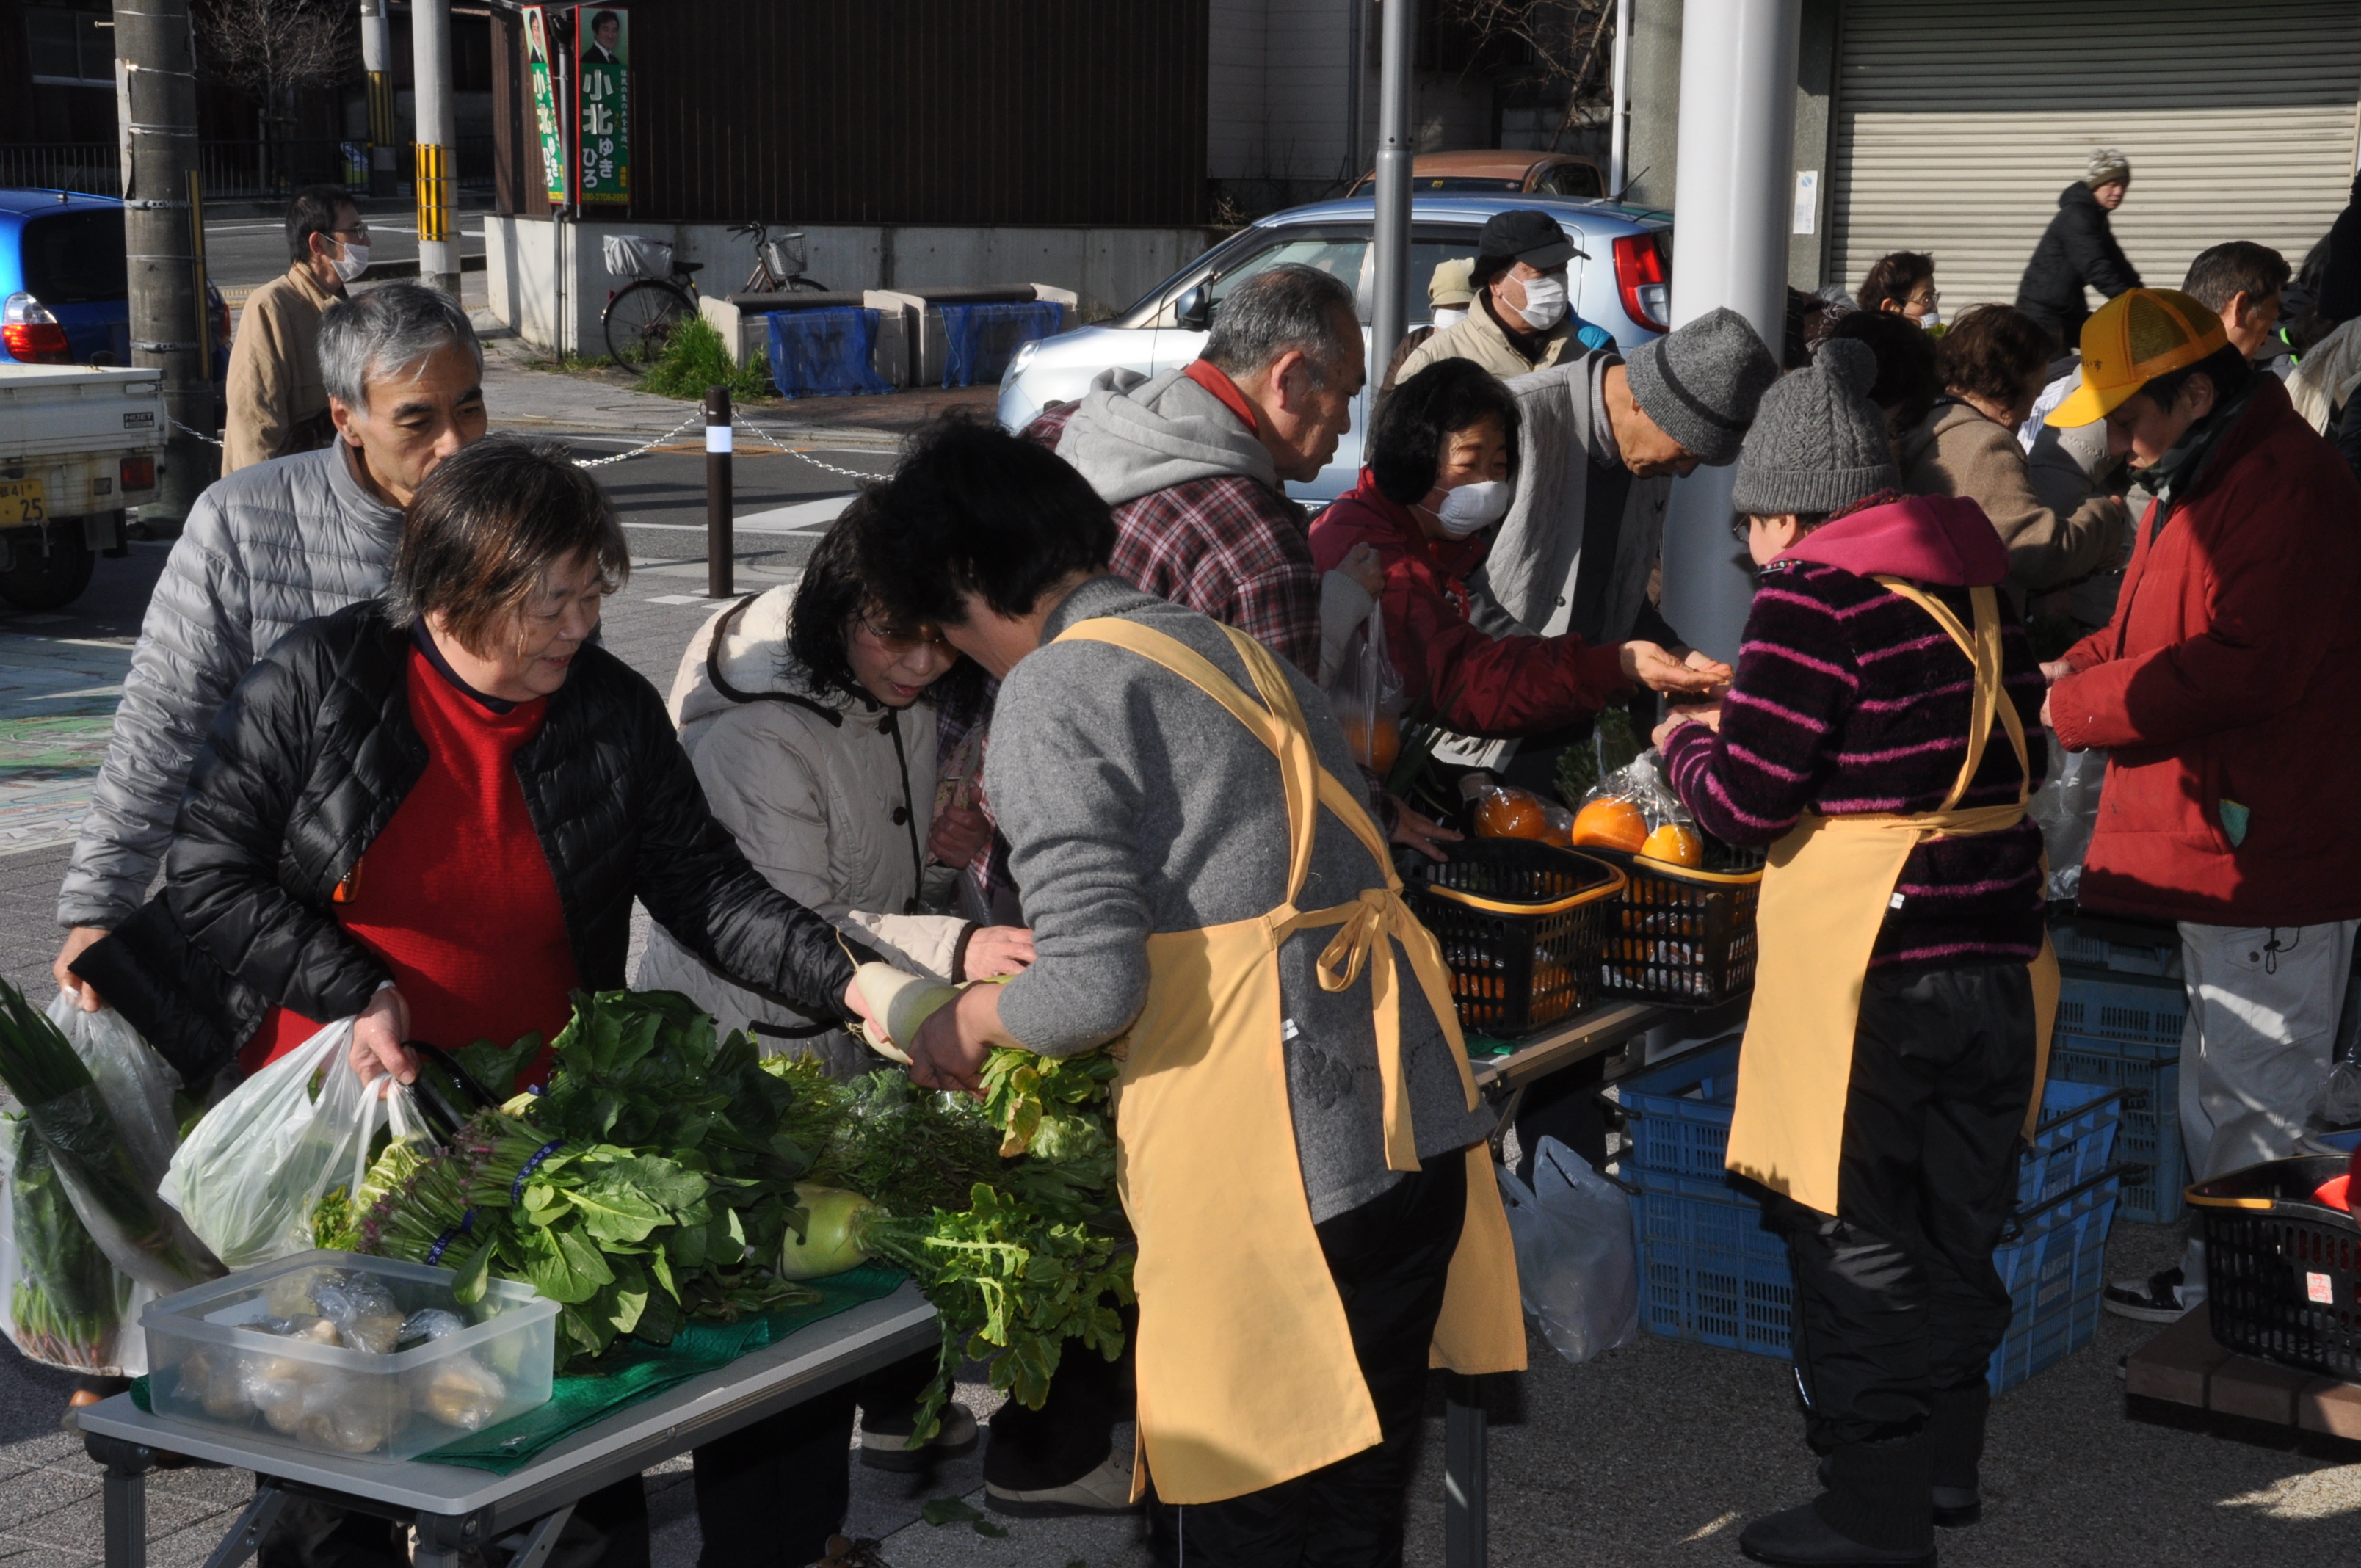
<point>1193,460</point>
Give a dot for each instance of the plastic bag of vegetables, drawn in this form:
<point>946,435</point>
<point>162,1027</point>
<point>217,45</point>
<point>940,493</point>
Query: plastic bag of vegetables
<point>136,1084</point>
<point>249,1173</point>
<point>61,1301</point>
<point>93,1157</point>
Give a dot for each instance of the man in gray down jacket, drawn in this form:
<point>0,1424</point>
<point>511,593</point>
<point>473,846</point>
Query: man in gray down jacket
<point>267,547</point>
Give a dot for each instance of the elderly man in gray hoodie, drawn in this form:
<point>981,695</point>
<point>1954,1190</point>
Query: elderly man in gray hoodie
<point>270,545</point>
<point>1193,460</point>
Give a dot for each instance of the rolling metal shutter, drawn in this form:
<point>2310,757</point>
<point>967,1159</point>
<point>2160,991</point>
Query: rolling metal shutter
<point>1958,124</point>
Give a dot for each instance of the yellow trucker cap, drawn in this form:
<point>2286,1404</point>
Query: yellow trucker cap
<point>2137,336</point>
<point>1451,285</point>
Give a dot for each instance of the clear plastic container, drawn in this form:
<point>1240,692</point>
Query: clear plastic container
<point>272,1351</point>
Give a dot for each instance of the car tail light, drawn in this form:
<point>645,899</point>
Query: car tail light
<point>32,333</point>
<point>139,474</point>
<point>1644,281</point>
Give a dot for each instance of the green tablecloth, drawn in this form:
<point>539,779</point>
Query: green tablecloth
<point>627,1376</point>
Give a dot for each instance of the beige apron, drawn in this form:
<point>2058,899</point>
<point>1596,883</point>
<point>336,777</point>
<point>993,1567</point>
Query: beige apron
<point>1245,1364</point>
<point>1825,897</point>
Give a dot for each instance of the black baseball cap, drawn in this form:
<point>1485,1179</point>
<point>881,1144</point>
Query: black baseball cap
<point>1526,234</point>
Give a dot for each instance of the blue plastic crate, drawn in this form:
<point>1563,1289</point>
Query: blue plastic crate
<point>2057,1274</point>
<point>1680,1112</point>
<point>1679,1125</point>
<point>1708,1271</point>
<point>825,353</point>
<point>2071,1143</point>
<point>2109,1004</point>
<point>2150,1140</point>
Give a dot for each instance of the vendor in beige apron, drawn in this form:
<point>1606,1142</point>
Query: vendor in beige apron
<point>1880,735</point>
<point>1148,764</point>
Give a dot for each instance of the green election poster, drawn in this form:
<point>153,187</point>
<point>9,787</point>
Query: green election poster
<point>544,103</point>
<point>603,35</point>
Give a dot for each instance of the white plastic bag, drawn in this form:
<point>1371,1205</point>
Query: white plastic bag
<point>136,1084</point>
<point>636,256</point>
<point>251,1171</point>
<point>2066,809</point>
<point>1576,1266</point>
<point>87,1322</point>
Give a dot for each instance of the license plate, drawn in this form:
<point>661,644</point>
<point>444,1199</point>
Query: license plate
<point>23,501</point>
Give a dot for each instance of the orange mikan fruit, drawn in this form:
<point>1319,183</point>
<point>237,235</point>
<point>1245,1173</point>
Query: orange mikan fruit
<point>1610,823</point>
<point>1510,814</point>
<point>1675,844</point>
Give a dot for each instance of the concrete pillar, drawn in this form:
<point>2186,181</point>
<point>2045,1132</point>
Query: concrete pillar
<point>376,64</point>
<point>1653,151</point>
<point>1737,123</point>
<point>1816,79</point>
<point>437,150</point>
<point>156,102</point>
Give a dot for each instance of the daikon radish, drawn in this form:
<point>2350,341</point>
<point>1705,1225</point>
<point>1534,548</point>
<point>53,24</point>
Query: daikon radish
<point>902,1002</point>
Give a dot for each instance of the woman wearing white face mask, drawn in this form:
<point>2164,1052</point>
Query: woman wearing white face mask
<point>1441,454</point>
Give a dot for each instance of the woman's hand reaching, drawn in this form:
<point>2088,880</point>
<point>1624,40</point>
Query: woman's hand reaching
<point>961,833</point>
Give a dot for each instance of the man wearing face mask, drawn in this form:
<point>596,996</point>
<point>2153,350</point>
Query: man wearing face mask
<point>1442,455</point>
<point>278,404</point>
<point>1519,320</point>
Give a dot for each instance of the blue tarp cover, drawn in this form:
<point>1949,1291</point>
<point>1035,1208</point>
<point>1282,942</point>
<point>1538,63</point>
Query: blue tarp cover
<point>825,353</point>
<point>981,339</point>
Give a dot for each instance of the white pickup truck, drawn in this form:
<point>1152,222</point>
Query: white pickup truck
<point>78,446</point>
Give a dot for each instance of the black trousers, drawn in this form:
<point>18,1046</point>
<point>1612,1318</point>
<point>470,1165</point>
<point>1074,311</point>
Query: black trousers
<point>1073,1431</point>
<point>1390,1258</point>
<point>1897,1305</point>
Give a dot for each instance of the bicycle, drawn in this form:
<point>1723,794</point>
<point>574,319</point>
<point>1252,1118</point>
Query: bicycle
<point>642,316</point>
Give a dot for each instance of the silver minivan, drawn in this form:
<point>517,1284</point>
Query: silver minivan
<point>1623,286</point>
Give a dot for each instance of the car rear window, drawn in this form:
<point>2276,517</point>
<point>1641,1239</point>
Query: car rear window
<point>1464,183</point>
<point>75,258</point>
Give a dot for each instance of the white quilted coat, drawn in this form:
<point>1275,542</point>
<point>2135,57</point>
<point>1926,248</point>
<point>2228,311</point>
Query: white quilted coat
<point>812,788</point>
<point>267,547</point>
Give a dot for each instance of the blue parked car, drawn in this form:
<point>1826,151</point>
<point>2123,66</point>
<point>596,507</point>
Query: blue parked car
<point>1624,287</point>
<point>64,288</point>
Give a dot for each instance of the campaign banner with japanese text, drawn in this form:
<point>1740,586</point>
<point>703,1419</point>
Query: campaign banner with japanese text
<point>538,65</point>
<point>603,156</point>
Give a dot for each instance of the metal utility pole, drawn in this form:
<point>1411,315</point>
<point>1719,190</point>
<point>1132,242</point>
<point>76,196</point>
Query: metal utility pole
<point>1389,312</point>
<point>1736,144</point>
<point>1357,54</point>
<point>377,60</point>
<point>1619,134</point>
<point>156,68</point>
<point>438,144</point>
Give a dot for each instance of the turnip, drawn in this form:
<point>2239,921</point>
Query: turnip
<point>830,1242</point>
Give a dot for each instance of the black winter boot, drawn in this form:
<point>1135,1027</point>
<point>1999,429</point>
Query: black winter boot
<point>1877,1513</point>
<point>1955,1439</point>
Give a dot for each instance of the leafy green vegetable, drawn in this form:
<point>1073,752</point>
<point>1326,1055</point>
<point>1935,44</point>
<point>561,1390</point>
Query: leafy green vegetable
<point>67,1299</point>
<point>1614,742</point>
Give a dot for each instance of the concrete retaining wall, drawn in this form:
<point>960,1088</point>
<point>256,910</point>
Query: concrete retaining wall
<point>549,281</point>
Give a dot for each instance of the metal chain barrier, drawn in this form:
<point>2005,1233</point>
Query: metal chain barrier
<point>696,419</point>
<point>760,435</point>
<point>184,430</point>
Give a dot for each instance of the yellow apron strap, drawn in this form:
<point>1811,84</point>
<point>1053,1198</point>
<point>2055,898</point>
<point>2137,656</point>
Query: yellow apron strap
<point>1280,698</point>
<point>1281,732</point>
<point>1990,690</point>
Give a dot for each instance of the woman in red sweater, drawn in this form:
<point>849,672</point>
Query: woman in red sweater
<point>1442,453</point>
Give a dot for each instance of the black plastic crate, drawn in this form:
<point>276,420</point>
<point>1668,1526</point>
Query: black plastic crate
<point>1679,934</point>
<point>2283,1271</point>
<point>1519,924</point>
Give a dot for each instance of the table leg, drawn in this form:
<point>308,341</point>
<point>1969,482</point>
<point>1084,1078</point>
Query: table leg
<point>1465,1463</point>
<point>123,1497</point>
<point>440,1537</point>
<point>536,1544</point>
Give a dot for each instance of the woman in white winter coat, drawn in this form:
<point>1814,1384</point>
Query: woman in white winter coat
<point>810,721</point>
<point>812,728</point>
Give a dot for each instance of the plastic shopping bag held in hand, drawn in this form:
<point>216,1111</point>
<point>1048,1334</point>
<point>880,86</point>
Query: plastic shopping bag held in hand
<point>1576,1266</point>
<point>1367,694</point>
<point>252,1170</point>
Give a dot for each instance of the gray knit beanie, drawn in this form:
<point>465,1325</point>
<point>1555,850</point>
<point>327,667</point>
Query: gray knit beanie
<point>1700,384</point>
<point>2106,167</point>
<point>1819,443</point>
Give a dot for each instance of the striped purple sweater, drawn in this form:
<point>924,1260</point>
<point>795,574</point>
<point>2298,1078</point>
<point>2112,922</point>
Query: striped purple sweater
<point>1850,699</point>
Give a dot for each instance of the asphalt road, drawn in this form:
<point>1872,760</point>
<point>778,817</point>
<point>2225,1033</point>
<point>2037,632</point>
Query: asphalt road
<point>783,501</point>
<point>243,253</point>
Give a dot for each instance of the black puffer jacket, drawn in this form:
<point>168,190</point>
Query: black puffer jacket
<point>305,767</point>
<point>2078,247</point>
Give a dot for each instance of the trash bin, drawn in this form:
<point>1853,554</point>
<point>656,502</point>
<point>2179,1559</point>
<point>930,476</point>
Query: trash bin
<point>981,339</point>
<point>825,353</point>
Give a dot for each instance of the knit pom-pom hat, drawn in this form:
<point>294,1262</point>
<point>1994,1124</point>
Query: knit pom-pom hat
<point>1818,443</point>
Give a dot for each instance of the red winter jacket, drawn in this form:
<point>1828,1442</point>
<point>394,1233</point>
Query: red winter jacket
<point>2228,674</point>
<point>1467,679</point>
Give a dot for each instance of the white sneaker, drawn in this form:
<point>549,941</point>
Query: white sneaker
<point>1105,1490</point>
<point>885,1441</point>
<point>2162,1298</point>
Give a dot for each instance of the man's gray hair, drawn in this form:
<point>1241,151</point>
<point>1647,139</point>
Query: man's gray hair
<point>385,331</point>
<point>1283,308</point>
